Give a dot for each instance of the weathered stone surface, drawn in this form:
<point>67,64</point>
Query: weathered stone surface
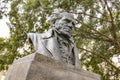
<point>40,67</point>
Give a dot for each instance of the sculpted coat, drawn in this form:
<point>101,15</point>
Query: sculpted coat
<point>48,45</point>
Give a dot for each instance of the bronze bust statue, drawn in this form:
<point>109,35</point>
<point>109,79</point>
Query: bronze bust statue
<point>57,42</point>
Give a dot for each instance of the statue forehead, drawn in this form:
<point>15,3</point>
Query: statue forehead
<point>60,15</point>
<point>66,15</point>
<point>63,15</point>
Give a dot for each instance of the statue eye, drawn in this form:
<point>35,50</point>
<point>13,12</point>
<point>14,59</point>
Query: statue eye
<point>67,20</point>
<point>73,23</point>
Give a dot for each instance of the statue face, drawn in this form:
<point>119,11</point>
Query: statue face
<point>65,26</point>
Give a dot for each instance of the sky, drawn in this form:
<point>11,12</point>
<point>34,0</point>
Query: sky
<point>4,29</point>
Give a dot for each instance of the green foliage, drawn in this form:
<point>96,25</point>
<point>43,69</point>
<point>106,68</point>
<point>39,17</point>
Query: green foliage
<point>97,35</point>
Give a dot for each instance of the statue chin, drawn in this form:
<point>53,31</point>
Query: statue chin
<point>66,35</point>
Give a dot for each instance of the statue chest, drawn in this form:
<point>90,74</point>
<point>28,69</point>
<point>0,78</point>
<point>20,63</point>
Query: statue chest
<point>66,51</point>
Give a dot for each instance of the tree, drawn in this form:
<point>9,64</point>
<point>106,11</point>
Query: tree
<point>4,4</point>
<point>97,33</point>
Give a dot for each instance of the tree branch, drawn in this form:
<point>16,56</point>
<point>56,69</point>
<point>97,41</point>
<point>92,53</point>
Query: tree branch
<point>98,32</point>
<point>103,57</point>
<point>112,27</point>
<point>85,50</point>
<point>110,63</point>
<point>93,17</point>
<point>100,39</point>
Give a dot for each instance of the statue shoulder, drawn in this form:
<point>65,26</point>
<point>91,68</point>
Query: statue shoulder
<point>47,34</point>
<point>44,35</point>
<point>30,35</point>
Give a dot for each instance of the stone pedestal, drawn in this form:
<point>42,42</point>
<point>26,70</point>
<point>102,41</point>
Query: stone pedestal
<point>39,67</point>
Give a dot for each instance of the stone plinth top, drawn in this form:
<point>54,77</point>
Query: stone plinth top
<point>39,67</point>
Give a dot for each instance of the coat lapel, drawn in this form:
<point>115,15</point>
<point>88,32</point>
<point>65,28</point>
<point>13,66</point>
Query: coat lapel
<point>51,44</point>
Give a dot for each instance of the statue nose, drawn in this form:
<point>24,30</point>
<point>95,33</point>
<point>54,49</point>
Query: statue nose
<point>70,25</point>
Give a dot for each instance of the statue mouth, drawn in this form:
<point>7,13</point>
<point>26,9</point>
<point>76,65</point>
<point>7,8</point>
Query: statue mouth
<point>67,29</point>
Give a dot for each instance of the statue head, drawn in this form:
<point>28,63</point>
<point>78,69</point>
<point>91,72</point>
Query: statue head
<point>63,23</point>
